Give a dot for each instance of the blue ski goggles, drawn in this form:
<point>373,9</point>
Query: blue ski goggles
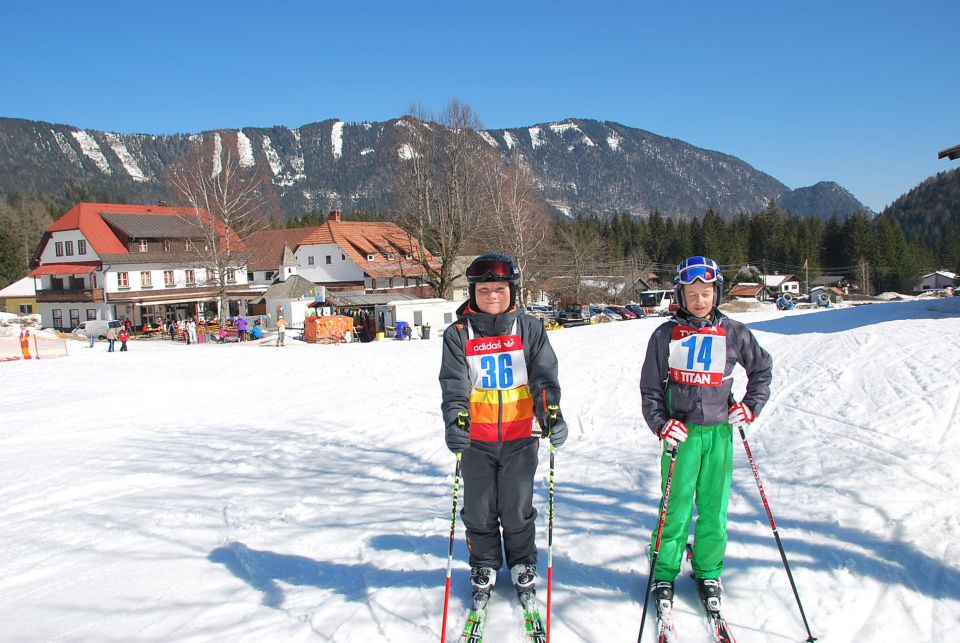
<point>698,269</point>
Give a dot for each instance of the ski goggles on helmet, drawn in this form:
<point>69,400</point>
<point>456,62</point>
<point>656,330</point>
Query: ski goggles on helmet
<point>494,268</point>
<point>698,269</point>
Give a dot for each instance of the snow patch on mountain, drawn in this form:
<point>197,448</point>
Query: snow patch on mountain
<point>536,136</point>
<point>66,148</point>
<point>405,152</point>
<point>245,150</point>
<point>613,142</point>
<point>485,135</point>
<point>217,155</point>
<point>336,139</point>
<point>91,150</point>
<point>509,140</point>
<point>126,158</point>
<point>272,157</point>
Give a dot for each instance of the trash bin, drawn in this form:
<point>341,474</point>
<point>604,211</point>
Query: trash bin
<point>425,331</point>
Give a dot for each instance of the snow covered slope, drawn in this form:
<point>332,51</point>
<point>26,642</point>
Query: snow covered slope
<point>248,493</point>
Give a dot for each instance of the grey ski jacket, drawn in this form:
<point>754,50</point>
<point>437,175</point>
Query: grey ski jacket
<point>664,399</point>
<point>542,368</point>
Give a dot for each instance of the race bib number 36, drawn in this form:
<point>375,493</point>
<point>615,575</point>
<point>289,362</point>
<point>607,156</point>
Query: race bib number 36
<point>698,357</point>
<point>496,362</point>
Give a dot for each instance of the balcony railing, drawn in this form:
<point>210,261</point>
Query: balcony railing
<point>68,296</point>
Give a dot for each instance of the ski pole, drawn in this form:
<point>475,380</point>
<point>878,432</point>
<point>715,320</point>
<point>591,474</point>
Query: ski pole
<point>773,525</point>
<point>453,529</point>
<point>550,546</point>
<point>656,548</point>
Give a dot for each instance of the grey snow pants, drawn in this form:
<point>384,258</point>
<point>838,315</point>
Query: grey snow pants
<point>498,495</point>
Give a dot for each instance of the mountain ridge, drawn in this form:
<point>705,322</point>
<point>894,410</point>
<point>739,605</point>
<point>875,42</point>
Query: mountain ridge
<point>580,165</point>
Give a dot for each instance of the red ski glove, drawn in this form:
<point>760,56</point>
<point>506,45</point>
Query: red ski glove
<point>740,414</point>
<point>674,432</point>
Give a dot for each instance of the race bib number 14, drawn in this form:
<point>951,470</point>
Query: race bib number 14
<point>698,357</point>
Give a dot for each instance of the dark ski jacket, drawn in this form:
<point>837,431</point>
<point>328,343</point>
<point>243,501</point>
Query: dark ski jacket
<point>455,385</point>
<point>664,399</point>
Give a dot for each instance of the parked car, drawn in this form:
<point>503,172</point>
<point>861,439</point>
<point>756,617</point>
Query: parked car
<point>612,314</point>
<point>636,309</point>
<point>623,312</point>
<point>98,326</point>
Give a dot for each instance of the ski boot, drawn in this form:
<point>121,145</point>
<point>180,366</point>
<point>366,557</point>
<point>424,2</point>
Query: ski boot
<point>482,579</point>
<point>524,578</point>
<point>710,590</point>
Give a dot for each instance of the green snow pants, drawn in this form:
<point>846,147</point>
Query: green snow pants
<point>702,474</point>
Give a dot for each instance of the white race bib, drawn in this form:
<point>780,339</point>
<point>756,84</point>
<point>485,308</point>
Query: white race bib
<point>698,357</point>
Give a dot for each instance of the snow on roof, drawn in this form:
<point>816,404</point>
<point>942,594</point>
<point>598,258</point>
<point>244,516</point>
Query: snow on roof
<point>942,273</point>
<point>25,287</point>
<point>92,151</point>
<point>336,139</point>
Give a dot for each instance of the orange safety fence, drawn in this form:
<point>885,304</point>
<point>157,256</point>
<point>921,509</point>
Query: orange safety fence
<point>33,346</point>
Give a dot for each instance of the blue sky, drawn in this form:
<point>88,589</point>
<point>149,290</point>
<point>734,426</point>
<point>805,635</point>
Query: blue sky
<point>862,93</point>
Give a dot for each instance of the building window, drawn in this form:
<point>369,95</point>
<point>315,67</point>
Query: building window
<point>143,245</point>
<point>269,276</point>
<point>93,281</point>
<point>168,278</point>
<point>26,309</point>
<point>309,261</point>
<point>123,280</point>
<point>408,256</point>
<point>329,259</point>
<point>58,247</point>
<point>56,283</point>
<point>146,280</point>
<point>249,276</point>
<point>91,313</point>
<point>369,256</point>
<point>231,276</point>
<point>211,276</point>
<point>81,247</point>
<point>57,318</point>
<point>68,248</point>
<point>191,277</point>
<point>343,257</point>
<point>390,255</point>
<point>74,317</point>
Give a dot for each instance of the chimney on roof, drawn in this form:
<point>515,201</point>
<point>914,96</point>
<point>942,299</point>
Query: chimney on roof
<point>161,202</point>
<point>335,216</point>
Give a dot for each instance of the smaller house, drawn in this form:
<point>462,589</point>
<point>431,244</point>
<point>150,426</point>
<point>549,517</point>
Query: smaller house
<point>820,294</point>
<point>20,297</point>
<point>749,292</point>
<point>781,284</point>
<point>291,298</point>
<point>938,280</point>
<point>843,284</point>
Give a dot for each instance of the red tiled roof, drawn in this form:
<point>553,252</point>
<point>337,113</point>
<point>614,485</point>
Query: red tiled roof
<point>85,217</point>
<point>78,268</point>
<point>266,247</point>
<point>745,290</point>
<point>357,239</point>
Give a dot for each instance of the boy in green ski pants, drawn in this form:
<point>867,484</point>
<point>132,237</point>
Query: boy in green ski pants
<point>686,384</point>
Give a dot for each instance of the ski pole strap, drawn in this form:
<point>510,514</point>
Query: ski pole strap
<point>462,422</point>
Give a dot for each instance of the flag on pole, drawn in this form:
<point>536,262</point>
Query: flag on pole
<point>804,264</point>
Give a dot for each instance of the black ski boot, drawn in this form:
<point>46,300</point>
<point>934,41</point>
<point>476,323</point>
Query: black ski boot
<point>710,590</point>
<point>663,596</point>
<point>482,579</point>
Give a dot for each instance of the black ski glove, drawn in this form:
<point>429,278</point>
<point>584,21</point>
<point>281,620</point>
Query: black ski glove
<point>458,433</point>
<point>553,426</point>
